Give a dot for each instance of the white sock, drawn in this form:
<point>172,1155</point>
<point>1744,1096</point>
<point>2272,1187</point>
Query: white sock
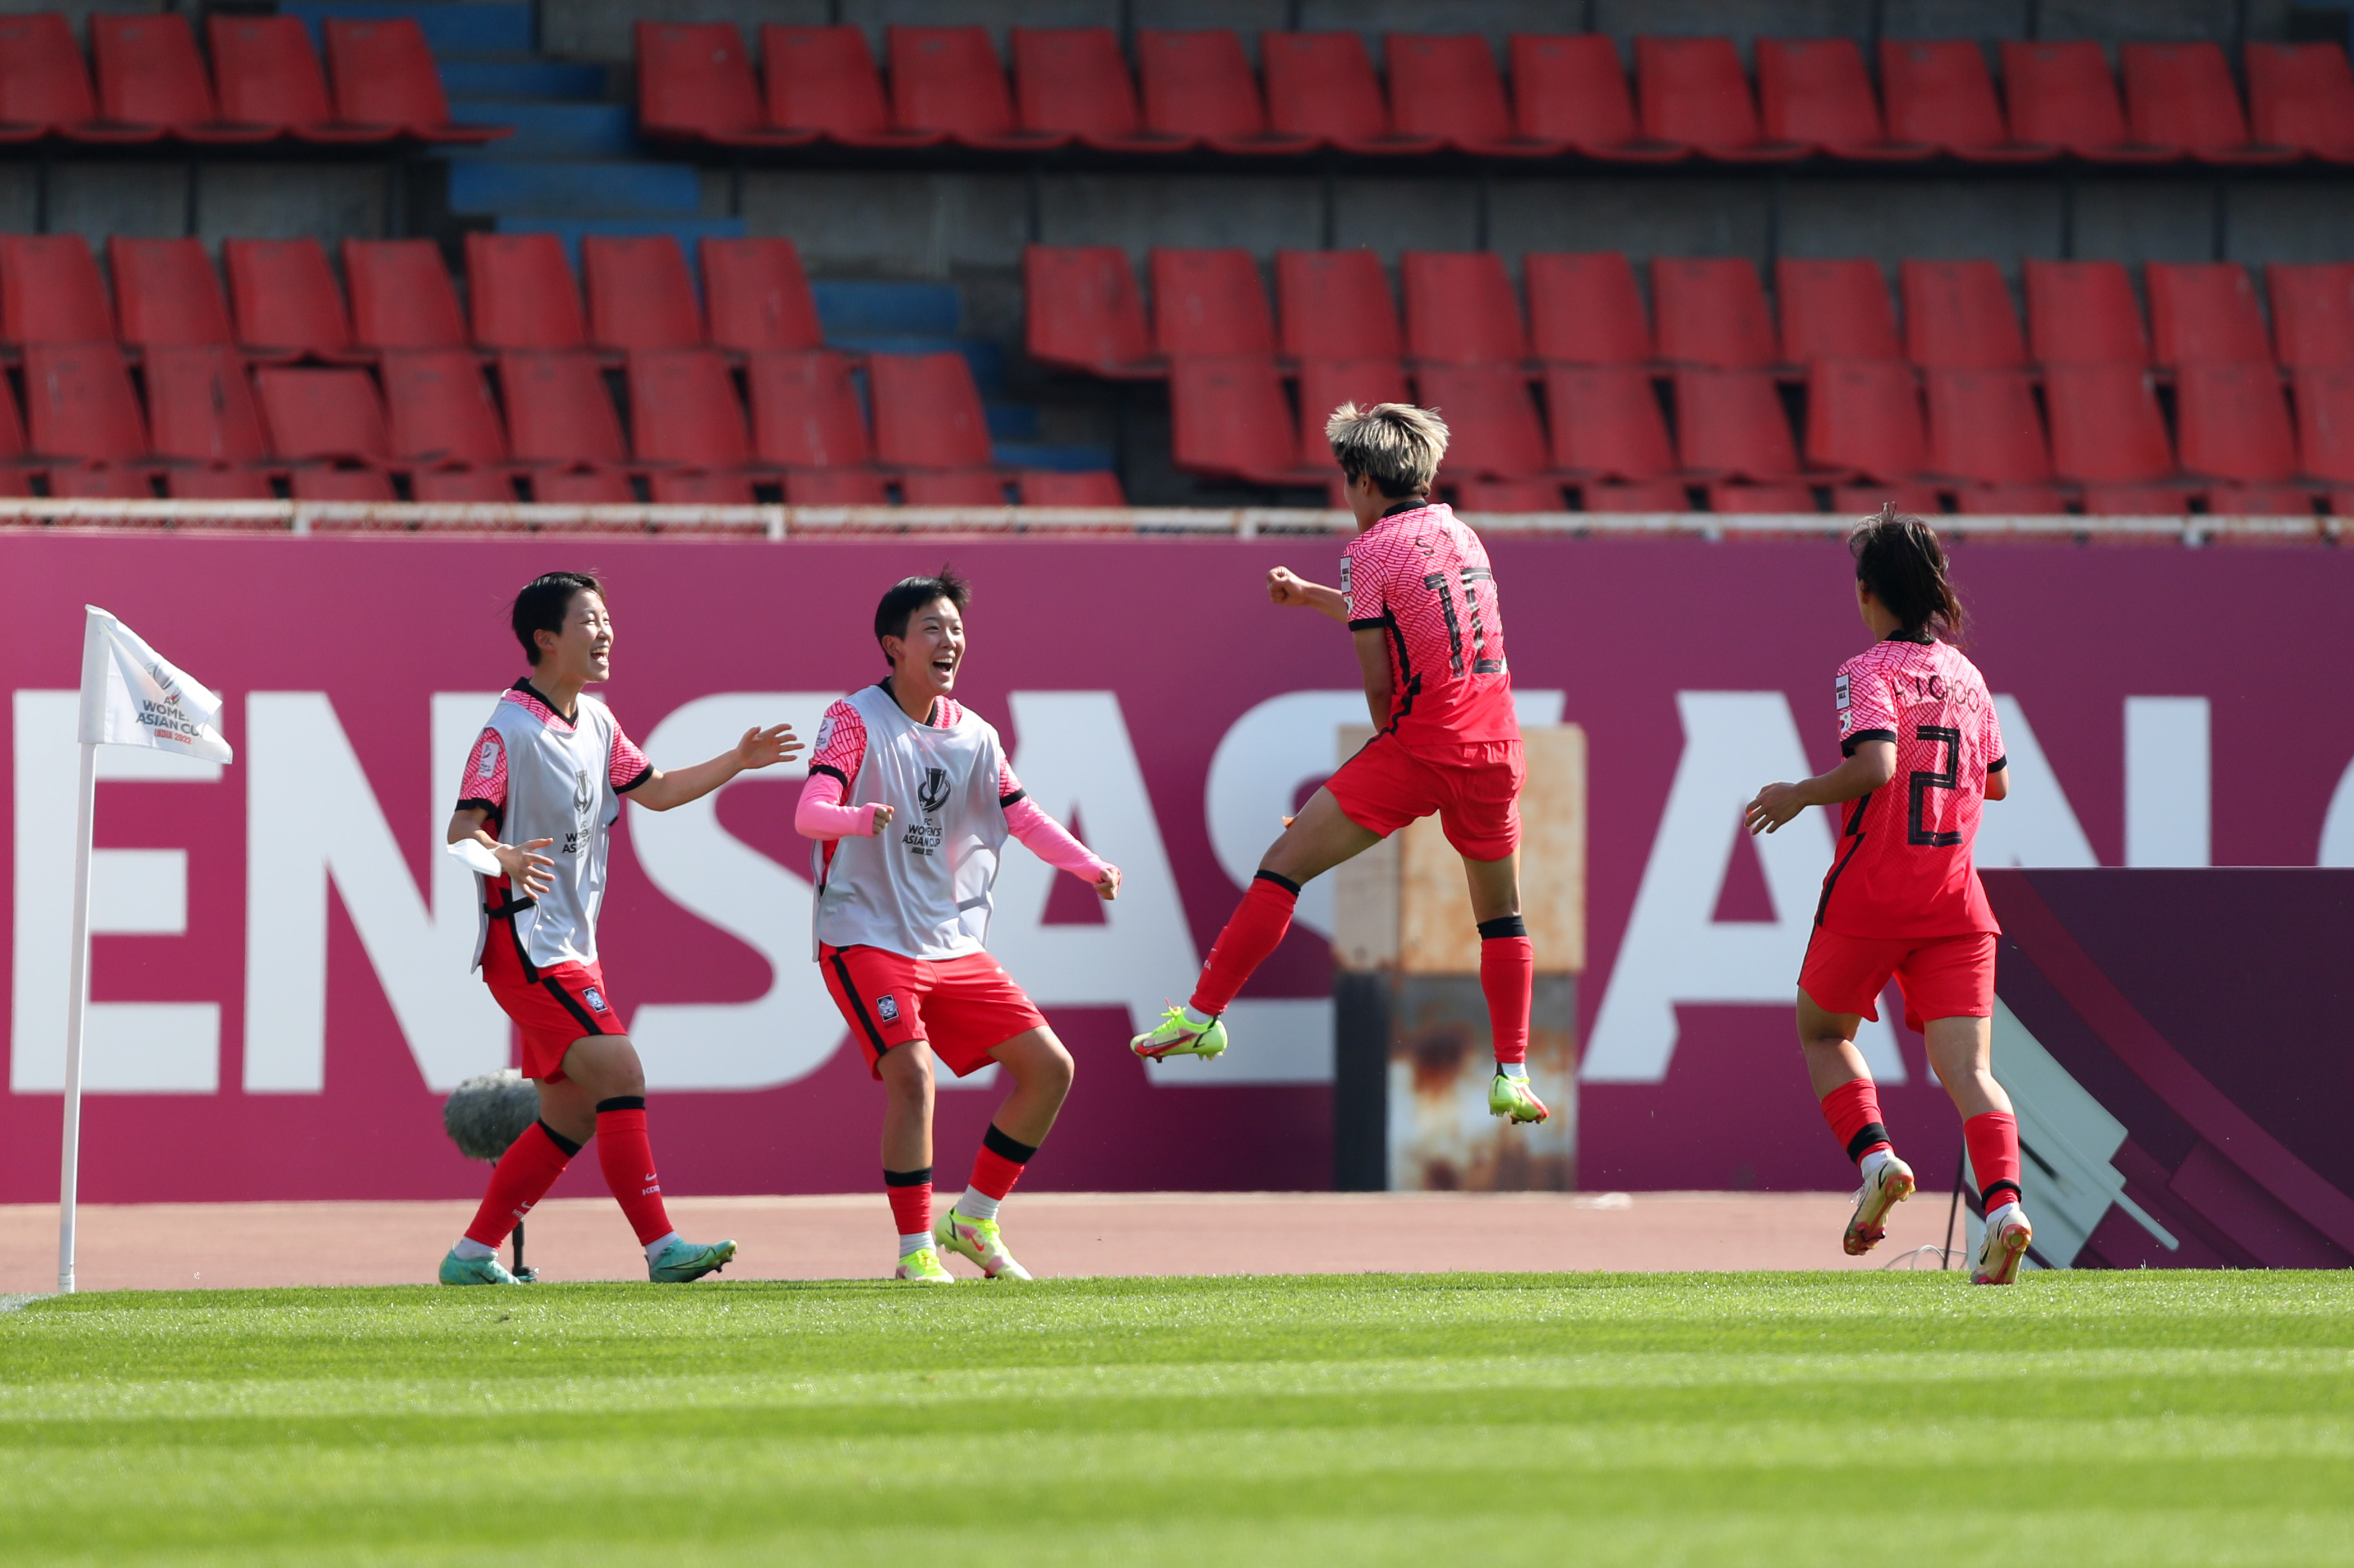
<point>1872,1163</point>
<point>654,1247</point>
<point>1197,1019</point>
<point>977,1204</point>
<point>1519,1070</point>
<point>909,1246</point>
<point>469,1249</point>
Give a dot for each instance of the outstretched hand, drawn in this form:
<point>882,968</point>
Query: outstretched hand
<point>1775,805</point>
<point>765,747</point>
<point>527,871</point>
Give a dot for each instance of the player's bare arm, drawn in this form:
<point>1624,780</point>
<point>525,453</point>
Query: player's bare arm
<point>1374,665</point>
<point>525,869</point>
<point>1874,765</point>
<point>759,748</point>
<point>1288,588</point>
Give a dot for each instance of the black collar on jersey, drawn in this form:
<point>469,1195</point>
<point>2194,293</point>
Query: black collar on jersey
<point>931,719</point>
<point>1411,504</point>
<point>1918,634</point>
<point>535,695</point>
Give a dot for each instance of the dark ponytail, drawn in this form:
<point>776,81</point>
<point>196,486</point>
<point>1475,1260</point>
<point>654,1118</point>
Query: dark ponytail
<point>1900,560</point>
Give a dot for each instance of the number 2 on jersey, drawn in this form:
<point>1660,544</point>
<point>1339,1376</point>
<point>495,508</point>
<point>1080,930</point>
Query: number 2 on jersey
<point>1924,781</point>
<point>1472,577</point>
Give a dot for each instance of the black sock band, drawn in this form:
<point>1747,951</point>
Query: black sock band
<point>1004,1148</point>
<point>1502,926</point>
<point>562,1142</point>
<point>1280,880</point>
<point>1871,1133</point>
<point>908,1178</point>
<point>1994,1198</point>
<point>621,1102</point>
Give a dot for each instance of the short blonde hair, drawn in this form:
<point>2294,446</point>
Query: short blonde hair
<point>1397,445</point>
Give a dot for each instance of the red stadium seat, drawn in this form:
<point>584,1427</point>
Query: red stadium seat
<point>216,484</point>
<point>1446,85</point>
<point>2182,96</point>
<point>805,410</point>
<point>1073,81</point>
<point>683,409</point>
<point>166,292</point>
<point>1651,496</point>
<point>50,290</point>
<point>1712,310</point>
<point>440,408</point>
<point>1083,311</point>
<point>1572,88</point>
<point>1583,309</point>
<point>835,487</point>
<point>1940,93</point>
<point>323,414</point>
<point>558,410</point>
<point>200,407</point>
<point>1336,305</point>
<point>284,299</point>
<point>1326,383</point>
<point>384,75</point>
<point>2313,311</point>
<point>699,487</point>
<point>1958,316</point>
<point>1835,310</point>
<point>952,487</point>
<point>401,295</point>
<point>927,411</point>
<point>1863,416</point>
<point>1731,423</point>
<point>328,483</point>
<point>1199,86</point>
<point>639,295</point>
<point>79,403</point>
<point>471,485</point>
<point>2259,500</point>
<point>149,74</point>
<point>45,86</point>
<point>1607,420</point>
<point>2063,94</point>
<point>1322,85</point>
<point>1760,500</point>
<point>1495,433</point>
<point>2008,499</point>
<point>1461,309</point>
<point>100,481</point>
<point>1695,93</point>
<point>696,84</point>
<point>950,79</point>
<point>1983,427</point>
<point>1521,495</point>
<point>1228,416</point>
<point>1209,303</point>
<point>1814,92</point>
<point>1864,500</point>
<point>2084,312</point>
<point>757,296</point>
<point>581,487</point>
<point>2203,312</point>
<point>1053,487</point>
<point>2136,501</point>
<point>2302,96</point>
<point>523,294</point>
<point>824,80</point>
<point>2324,422</point>
<point>2233,422</point>
<point>2106,426</point>
<point>12,432</point>
<point>267,75</point>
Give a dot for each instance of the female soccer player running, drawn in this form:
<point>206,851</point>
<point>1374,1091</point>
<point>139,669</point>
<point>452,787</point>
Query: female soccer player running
<point>910,799</point>
<point>549,770</point>
<point>1417,592</point>
<point>1923,752</point>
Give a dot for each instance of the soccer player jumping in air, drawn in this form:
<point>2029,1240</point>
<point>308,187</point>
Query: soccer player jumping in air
<point>1923,752</point>
<point>548,773</point>
<point>1417,592</point>
<point>910,799</point>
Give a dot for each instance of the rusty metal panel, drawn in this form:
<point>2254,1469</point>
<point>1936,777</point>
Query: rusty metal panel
<point>1441,1137</point>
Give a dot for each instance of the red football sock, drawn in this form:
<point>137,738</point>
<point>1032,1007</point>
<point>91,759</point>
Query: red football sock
<point>627,1156</point>
<point>1508,978</point>
<point>1853,1111</point>
<point>522,1178</point>
<point>1000,1163</point>
<point>1255,930</point>
<point>1993,1138</point>
<point>910,1193</point>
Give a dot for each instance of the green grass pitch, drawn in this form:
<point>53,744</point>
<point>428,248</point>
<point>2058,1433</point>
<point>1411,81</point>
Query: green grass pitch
<point>1569,1420</point>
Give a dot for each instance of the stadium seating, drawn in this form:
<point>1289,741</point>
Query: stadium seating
<point>2205,313</point>
<point>284,299</point>
<point>1984,429</point>
<point>1495,433</point>
<point>824,80</point>
<point>522,292</point>
<point>2180,96</point>
<point>2105,424</point>
<point>265,73</point>
<point>639,294</point>
<point>948,79</point>
<point>928,411</point>
<point>1835,310</point>
<point>1228,416</point>
<point>45,87</point>
<point>835,487</point>
<point>1072,82</point>
<point>1958,316</point>
<point>558,412</point>
<point>1583,309</point>
<point>1608,422</point>
<point>2302,96</point>
<point>1198,88</point>
<point>2084,312</point>
<point>50,290</point>
<point>2313,311</point>
<point>696,83</point>
<point>1209,303</point>
<point>149,74</point>
<point>1863,416</point>
<point>683,409</point>
<point>401,295</point>
<point>2233,422</point>
<point>384,75</point>
<point>805,410</point>
<point>1711,312</point>
<point>1084,312</point>
<point>1731,423</point>
<point>1322,86</point>
<point>581,487</point>
<point>461,485</point>
<point>333,483</point>
<point>952,487</point>
<point>1051,487</point>
<point>2062,93</point>
<point>331,415</point>
<point>1572,90</point>
<point>1461,309</point>
<point>166,292</point>
<point>1814,92</point>
<point>1336,305</point>
<point>757,296</point>
<point>79,403</point>
<point>1446,86</point>
<point>1940,94</point>
<point>439,410</point>
<point>1326,383</point>
<point>1693,91</point>
<point>2324,422</point>
<point>200,407</point>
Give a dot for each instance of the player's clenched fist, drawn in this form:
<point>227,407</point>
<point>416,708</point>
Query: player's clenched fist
<point>765,747</point>
<point>1107,886</point>
<point>1285,585</point>
<point>882,821</point>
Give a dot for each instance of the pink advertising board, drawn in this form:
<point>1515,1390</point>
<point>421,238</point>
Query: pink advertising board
<point>280,979</point>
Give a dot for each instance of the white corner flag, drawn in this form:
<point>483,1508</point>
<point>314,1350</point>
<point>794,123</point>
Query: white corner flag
<point>129,696</point>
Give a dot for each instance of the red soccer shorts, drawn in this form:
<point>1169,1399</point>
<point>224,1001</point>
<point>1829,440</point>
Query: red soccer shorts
<point>963,1007</point>
<point>1941,977</point>
<point>1384,787</point>
<point>554,1007</point>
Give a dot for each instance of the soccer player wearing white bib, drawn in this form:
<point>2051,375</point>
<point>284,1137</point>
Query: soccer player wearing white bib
<point>910,799</point>
<point>547,774</point>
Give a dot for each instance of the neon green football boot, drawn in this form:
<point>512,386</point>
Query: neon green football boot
<point>979,1240</point>
<point>1511,1097</point>
<point>1178,1035</point>
<point>922,1267</point>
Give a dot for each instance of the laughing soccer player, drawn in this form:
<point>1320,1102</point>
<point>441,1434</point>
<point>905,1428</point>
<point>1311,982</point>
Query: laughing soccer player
<point>1419,595</point>
<point>910,799</point>
<point>548,773</point>
<point>1901,898</point>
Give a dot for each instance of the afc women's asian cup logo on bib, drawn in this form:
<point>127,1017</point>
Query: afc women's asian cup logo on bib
<point>924,837</point>
<point>934,794</point>
<point>584,808</point>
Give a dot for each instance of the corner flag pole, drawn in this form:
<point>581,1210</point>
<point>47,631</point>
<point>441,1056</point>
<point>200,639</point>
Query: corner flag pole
<point>78,977</point>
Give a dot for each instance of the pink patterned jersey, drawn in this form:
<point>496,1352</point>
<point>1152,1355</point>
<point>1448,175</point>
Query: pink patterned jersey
<point>1903,863</point>
<point>1424,579</point>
